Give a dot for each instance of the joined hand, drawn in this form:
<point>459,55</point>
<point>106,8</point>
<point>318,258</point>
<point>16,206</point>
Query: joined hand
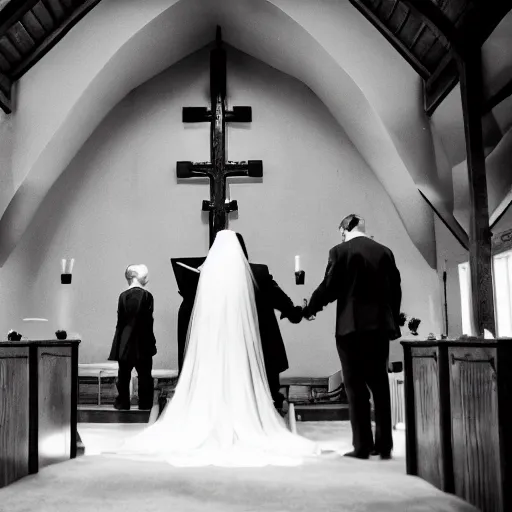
<point>310,317</point>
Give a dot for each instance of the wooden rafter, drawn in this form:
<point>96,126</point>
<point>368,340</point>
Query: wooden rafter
<point>47,44</point>
<point>478,26</point>
<point>500,210</point>
<point>395,41</point>
<point>5,93</point>
<point>440,84</point>
<point>437,21</point>
<point>5,103</point>
<point>452,225</point>
<point>498,97</point>
<point>12,12</point>
<point>480,23</point>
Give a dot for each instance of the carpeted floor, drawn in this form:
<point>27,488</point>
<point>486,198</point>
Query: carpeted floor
<point>98,483</point>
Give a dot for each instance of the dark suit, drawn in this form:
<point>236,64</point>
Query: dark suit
<point>268,296</point>
<point>134,344</point>
<point>362,277</point>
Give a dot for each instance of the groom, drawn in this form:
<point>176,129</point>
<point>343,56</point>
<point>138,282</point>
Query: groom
<point>268,296</point>
<point>362,277</point>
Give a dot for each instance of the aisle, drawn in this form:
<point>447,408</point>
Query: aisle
<point>98,483</point>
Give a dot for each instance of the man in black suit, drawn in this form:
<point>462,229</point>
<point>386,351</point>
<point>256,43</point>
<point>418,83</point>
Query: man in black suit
<point>362,277</point>
<point>268,296</point>
<point>134,343</point>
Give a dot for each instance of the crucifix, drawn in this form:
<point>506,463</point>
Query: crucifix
<point>218,169</point>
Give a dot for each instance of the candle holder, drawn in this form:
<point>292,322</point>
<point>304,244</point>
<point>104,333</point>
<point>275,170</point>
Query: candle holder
<point>65,278</point>
<point>67,270</point>
<point>300,277</point>
<point>13,336</point>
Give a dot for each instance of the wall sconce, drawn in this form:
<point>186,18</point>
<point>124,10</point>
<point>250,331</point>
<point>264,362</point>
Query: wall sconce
<point>66,270</point>
<point>300,275</point>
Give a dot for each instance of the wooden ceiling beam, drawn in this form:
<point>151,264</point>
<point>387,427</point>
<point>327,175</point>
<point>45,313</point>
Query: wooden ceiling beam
<point>5,103</point>
<point>437,21</point>
<point>498,97</point>
<point>440,84</point>
<point>13,12</point>
<point>479,24</point>
<point>5,93</point>
<point>501,209</point>
<point>451,223</point>
<point>47,44</point>
<point>397,44</point>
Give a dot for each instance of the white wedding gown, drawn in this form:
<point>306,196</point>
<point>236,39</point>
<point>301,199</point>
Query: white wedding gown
<point>222,412</point>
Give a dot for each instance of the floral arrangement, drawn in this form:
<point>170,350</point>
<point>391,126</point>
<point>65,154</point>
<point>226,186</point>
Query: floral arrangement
<point>13,336</point>
<point>412,323</point>
<point>61,335</point>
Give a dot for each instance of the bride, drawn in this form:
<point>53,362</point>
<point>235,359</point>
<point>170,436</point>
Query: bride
<point>222,412</point>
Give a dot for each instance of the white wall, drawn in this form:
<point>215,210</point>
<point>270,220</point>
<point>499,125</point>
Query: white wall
<point>118,203</point>
<point>368,88</point>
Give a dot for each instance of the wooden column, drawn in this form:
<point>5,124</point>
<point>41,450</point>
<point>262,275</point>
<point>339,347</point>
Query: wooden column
<point>480,261</point>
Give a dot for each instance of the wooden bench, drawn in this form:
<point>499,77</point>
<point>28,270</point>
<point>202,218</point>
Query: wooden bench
<point>97,382</point>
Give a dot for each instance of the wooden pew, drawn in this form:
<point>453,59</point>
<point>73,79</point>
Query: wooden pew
<point>458,395</point>
<point>38,405</point>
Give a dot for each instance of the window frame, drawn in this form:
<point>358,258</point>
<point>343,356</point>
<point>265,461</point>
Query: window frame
<point>500,243</point>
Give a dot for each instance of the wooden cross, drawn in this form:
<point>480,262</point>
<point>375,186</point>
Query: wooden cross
<point>218,169</point>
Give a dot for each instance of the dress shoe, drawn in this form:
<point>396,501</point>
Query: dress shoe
<point>121,407</point>
<point>383,455</point>
<point>145,407</point>
<point>357,454</point>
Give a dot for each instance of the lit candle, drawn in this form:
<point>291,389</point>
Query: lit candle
<point>297,263</point>
<point>71,266</point>
<point>63,265</point>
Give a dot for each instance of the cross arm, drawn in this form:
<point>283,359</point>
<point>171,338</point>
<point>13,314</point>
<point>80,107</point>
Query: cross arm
<point>239,115</point>
<point>251,168</point>
<point>196,115</point>
<point>186,170</point>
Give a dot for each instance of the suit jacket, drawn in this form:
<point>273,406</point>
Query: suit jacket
<point>362,277</point>
<point>268,296</point>
<point>134,338</point>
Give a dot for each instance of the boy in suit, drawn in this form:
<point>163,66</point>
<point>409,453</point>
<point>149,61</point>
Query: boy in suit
<point>134,343</point>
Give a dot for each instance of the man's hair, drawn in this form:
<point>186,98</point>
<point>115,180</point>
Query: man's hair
<point>139,272</point>
<point>242,244</point>
<point>351,222</point>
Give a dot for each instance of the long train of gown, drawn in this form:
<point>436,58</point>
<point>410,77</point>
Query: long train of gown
<point>222,412</point>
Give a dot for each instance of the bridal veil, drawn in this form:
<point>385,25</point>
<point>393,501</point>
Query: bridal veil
<point>222,412</point>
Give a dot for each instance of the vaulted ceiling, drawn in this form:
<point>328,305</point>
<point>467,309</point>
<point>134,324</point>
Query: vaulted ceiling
<point>371,88</point>
<point>427,34</point>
